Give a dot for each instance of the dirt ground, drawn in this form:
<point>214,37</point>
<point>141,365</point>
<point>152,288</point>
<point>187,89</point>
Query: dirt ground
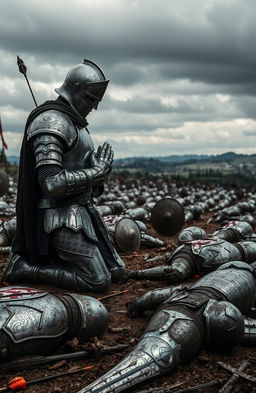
<point>203,368</point>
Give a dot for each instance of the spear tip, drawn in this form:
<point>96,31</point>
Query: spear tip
<point>21,65</point>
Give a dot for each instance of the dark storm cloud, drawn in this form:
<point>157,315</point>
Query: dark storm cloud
<point>140,104</point>
<point>250,133</point>
<point>172,34</point>
<point>170,63</point>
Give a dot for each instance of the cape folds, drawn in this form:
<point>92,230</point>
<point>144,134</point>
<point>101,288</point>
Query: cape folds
<point>30,240</point>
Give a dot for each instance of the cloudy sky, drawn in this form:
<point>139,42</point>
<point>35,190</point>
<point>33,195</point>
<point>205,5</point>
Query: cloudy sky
<point>183,72</point>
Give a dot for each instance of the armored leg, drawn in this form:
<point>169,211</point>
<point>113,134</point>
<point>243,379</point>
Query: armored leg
<point>78,264</point>
<point>20,270</point>
<point>173,336</point>
<point>83,257</point>
<point>150,241</point>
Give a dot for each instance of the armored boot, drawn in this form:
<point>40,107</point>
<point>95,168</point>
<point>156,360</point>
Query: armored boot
<point>20,270</point>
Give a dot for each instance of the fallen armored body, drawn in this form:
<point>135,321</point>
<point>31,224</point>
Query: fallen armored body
<point>208,313</point>
<point>232,232</point>
<point>197,256</point>
<point>34,322</point>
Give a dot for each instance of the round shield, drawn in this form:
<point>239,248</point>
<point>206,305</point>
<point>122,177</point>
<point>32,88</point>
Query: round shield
<point>127,235</point>
<point>167,217</point>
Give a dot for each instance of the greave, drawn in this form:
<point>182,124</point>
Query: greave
<point>159,351</point>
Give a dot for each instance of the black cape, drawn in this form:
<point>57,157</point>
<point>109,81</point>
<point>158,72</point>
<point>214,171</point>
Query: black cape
<point>30,240</point>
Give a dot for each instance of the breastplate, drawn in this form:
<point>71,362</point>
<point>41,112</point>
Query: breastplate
<point>80,155</point>
<point>237,284</point>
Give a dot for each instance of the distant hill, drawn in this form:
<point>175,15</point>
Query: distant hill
<point>13,160</point>
<point>162,164</point>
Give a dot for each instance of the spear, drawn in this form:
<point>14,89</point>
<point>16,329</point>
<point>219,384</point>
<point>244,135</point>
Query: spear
<point>113,294</point>
<point>21,383</point>
<point>23,70</point>
<point>37,361</point>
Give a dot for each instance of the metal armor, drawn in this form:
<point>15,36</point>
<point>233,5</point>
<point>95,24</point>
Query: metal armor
<point>84,87</point>
<point>56,141</point>
<point>33,321</point>
<point>191,233</point>
<point>197,256</point>
<point>7,232</point>
<point>125,234</point>
<point>249,337</point>
<point>234,231</point>
<point>183,324</point>
<point>68,168</point>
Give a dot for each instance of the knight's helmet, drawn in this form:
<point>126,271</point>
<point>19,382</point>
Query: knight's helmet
<point>84,87</point>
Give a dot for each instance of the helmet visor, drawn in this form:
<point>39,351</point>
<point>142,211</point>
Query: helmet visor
<point>93,92</point>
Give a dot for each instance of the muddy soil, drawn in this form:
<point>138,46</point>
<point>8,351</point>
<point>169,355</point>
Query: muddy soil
<point>202,369</point>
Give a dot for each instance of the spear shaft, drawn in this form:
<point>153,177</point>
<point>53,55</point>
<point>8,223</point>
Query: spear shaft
<point>23,70</point>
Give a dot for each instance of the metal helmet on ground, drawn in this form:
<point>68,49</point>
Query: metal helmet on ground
<point>94,316</point>
<point>127,235</point>
<point>84,87</point>
<point>191,233</point>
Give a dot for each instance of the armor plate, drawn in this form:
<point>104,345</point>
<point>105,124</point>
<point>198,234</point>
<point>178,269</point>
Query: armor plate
<point>214,252</point>
<point>224,324</point>
<point>78,157</point>
<point>238,286</point>
<point>40,316</point>
<point>53,122</point>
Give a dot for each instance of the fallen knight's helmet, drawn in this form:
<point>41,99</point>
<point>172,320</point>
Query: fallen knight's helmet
<point>84,87</point>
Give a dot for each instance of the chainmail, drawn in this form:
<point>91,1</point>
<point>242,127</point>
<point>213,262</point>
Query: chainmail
<point>45,171</point>
<point>76,242</point>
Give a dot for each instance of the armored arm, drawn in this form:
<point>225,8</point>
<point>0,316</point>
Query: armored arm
<point>58,182</point>
<point>52,134</point>
<point>150,300</point>
<point>159,273</point>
